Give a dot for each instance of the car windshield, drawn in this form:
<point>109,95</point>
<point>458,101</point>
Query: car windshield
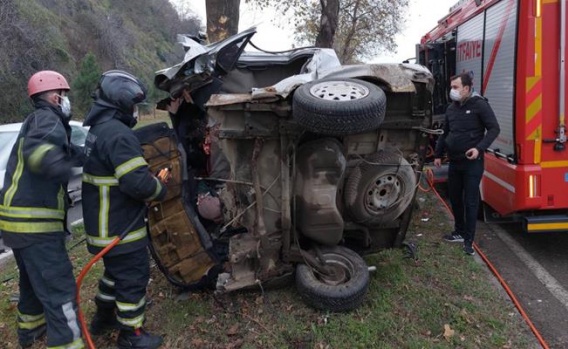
<point>7,140</point>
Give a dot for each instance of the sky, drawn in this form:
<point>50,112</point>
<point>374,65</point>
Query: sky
<point>272,34</point>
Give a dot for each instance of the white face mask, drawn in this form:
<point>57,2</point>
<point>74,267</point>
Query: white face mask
<point>455,95</point>
<point>65,105</point>
<point>135,113</point>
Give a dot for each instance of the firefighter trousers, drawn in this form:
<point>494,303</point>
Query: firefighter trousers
<point>47,294</point>
<point>123,288</point>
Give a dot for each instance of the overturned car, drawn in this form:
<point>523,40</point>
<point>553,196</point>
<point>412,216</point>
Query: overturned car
<point>284,164</point>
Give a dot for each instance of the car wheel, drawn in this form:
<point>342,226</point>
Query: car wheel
<point>379,188</point>
<point>343,290</point>
<point>339,107</point>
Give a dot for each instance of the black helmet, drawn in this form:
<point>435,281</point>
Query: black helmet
<point>121,89</point>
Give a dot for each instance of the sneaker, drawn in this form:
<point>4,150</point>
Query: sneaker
<point>138,339</point>
<point>453,237</point>
<point>27,338</point>
<point>468,249</point>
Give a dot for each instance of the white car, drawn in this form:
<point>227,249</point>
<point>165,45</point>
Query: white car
<point>8,136</point>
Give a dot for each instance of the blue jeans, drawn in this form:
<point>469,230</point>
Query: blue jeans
<point>464,177</point>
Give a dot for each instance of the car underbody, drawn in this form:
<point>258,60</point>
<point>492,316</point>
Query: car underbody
<point>312,170</point>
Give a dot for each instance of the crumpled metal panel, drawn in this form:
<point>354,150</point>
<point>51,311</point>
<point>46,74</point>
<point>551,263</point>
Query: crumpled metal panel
<point>323,60</point>
<point>226,99</point>
<point>398,78</point>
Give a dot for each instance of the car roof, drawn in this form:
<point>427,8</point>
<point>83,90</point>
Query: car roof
<point>10,127</point>
<point>15,126</point>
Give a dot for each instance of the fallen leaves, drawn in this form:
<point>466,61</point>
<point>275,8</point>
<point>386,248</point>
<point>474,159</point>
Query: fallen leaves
<point>448,332</point>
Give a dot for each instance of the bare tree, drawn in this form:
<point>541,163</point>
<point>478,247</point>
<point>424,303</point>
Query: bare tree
<point>361,30</point>
<point>328,23</point>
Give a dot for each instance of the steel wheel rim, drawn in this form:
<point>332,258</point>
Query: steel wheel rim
<point>342,268</point>
<point>383,193</point>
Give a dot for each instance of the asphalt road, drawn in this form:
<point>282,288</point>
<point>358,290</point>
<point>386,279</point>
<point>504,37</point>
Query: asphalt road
<point>536,269</point>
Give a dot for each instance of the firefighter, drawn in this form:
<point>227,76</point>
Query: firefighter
<point>469,129</point>
<point>32,215</point>
<point>117,184</point>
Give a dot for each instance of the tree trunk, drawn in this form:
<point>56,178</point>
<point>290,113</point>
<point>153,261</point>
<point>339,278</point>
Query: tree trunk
<point>222,19</point>
<point>328,23</point>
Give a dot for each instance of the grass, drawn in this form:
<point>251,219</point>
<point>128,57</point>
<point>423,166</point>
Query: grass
<point>155,116</point>
<point>444,299</point>
<point>411,304</point>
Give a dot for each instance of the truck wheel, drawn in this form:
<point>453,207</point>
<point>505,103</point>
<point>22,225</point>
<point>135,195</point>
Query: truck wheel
<point>339,107</point>
<point>379,188</point>
<point>342,291</point>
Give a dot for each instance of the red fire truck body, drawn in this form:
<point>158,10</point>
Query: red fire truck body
<point>516,53</point>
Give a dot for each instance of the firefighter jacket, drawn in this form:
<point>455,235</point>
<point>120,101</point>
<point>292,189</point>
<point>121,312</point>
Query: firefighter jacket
<point>117,182</point>
<point>468,124</point>
<point>33,200</point>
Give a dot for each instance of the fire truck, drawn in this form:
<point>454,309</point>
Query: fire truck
<point>515,51</point>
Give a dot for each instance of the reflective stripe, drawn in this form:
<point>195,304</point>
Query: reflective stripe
<point>134,322</point>
<point>17,174</point>
<point>76,344</point>
<point>157,191</point>
<point>60,202</point>
<point>105,297</point>
<point>129,166</point>
<point>30,322</point>
<point>71,317</point>
<point>34,161</point>
<point>131,306</point>
<point>104,206</point>
<point>99,180</point>
<point>31,227</point>
<point>107,281</point>
<point>103,242</point>
<point>31,212</point>
<point>30,318</point>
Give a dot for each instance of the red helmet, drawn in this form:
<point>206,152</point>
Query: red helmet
<point>46,80</point>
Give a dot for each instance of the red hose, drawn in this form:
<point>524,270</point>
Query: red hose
<point>499,277</point>
<point>95,259</point>
<point>82,275</point>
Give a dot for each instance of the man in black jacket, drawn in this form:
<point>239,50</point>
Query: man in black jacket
<point>469,129</point>
<point>117,183</point>
<point>32,215</point>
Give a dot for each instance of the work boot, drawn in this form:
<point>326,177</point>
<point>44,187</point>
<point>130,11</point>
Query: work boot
<point>138,339</point>
<point>26,338</point>
<point>103,321</point>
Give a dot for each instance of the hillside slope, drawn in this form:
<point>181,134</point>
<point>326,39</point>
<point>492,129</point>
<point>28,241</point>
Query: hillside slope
<point>136,36</point>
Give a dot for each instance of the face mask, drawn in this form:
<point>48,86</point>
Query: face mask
<point>455,95</point>
<point>65,105</point>
<point>135,113</point>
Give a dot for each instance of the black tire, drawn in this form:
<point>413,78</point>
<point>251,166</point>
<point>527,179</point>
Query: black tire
<point>379,188</point>
<point>337,107</point>
<point>342,292</point>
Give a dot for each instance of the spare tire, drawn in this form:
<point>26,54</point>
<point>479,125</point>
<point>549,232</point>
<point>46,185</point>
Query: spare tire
<point>379,188</point>
<point>337,107</point>
<point>343,289</point>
